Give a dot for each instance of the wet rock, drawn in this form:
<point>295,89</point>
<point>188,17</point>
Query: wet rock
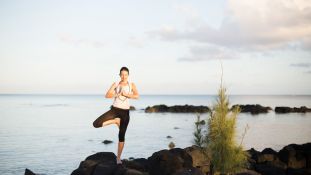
<point>107,141</point>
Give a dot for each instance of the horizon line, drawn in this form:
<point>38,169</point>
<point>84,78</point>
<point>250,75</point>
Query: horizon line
<point>74,94</point>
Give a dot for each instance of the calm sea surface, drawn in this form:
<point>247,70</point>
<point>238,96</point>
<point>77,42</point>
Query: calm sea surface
<point>52,134</point>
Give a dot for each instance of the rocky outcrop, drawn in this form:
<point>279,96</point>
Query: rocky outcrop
<point>177,109</point>
<point>253,109</point>
<point>293,159</point>
<point>285,109</point>
<point>165,162</point>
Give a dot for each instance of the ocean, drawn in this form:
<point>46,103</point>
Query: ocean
<point>52,134</point>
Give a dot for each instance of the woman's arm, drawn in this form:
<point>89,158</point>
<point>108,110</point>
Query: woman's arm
<point>110,93</point>
<point>135,94</point>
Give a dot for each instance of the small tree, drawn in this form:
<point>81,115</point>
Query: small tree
<point>198,136</point>
<point>219,145</point>
<point>227,157</point>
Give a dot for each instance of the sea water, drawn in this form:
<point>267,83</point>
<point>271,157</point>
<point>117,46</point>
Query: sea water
<point>52,134</point>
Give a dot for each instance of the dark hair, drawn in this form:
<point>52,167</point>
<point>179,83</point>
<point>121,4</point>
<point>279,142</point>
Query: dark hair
<point>126,69</point>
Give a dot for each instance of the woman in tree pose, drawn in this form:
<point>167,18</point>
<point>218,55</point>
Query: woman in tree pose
<point>119,112</point>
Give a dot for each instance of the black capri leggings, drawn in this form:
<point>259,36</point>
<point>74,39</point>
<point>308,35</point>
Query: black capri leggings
<point>114,112</point>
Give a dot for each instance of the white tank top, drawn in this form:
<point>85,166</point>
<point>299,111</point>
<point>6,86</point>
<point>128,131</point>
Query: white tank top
<point>122,101</point>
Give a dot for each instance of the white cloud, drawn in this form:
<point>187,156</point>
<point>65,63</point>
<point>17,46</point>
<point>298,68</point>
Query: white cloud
<point>252,25</point>
<point>305,65</point>
<point>206,53</point>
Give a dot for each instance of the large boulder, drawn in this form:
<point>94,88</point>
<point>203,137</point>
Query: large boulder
<point>293,159</point>
<point>267,154</point>
<point>100,163</point>
<point>173,161</point>
<point>295,156</point>
<point>199,160</point>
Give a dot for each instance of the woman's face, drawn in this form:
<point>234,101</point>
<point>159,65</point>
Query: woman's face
<point>124,75</point>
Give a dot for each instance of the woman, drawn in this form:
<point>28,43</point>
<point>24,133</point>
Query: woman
<point>119,111</point>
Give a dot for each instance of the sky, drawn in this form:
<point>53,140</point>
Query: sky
<point>263,47</point>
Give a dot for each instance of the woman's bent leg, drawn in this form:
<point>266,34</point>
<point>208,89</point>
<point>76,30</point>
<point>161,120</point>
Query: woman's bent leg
<point>105,119</point>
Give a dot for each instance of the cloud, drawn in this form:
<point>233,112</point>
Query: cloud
<point>66,38</point>
<point>251,25</point>
<point>207,53</point>
<point>302,65</point>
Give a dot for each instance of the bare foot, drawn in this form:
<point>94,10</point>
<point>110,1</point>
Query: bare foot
<point>119,161</point>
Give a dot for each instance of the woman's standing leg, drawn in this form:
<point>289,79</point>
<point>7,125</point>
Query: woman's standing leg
<point>125,118</point>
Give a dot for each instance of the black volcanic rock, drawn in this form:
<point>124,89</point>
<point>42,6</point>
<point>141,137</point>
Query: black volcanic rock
<point>166,162</point>
<point>253,109</point>
<point>29,172</point>
<point>101,162</point>
<point>285,109</point>
<point>107,141</point>
<point>292,159</point>
<point>177,109</point>
<point>132,108</point>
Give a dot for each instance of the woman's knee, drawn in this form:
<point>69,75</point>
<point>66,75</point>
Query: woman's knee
<point>96,124</point>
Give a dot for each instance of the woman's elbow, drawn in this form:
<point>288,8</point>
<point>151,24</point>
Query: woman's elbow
<point>137,96</point>
<point>108,96</point>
